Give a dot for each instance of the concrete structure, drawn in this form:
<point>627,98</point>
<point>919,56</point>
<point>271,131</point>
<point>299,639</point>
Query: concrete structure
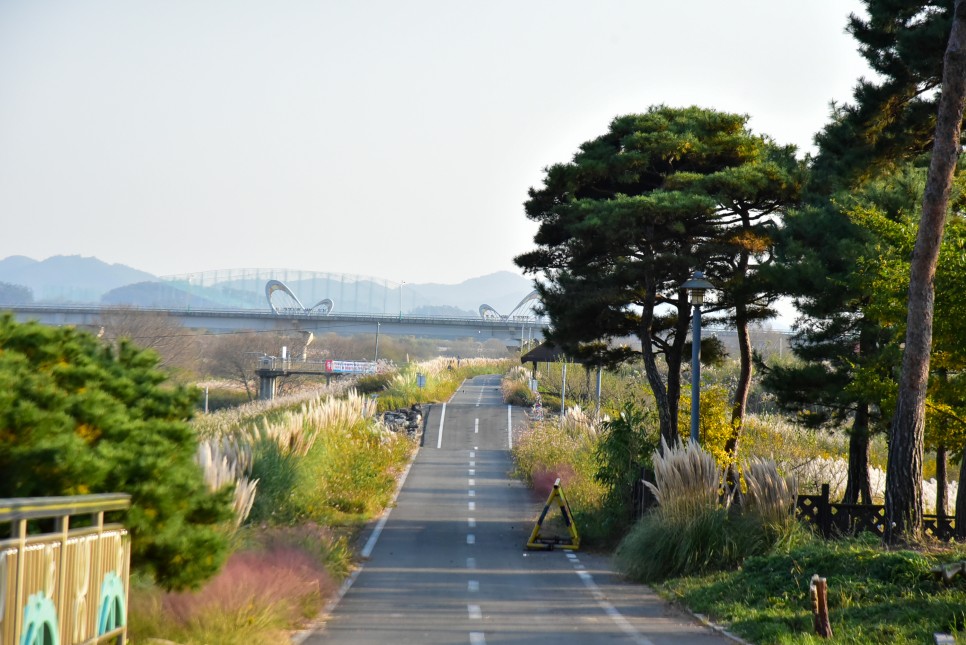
<point>510,331</point>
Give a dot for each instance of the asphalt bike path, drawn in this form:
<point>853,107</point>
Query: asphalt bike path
<point>449,563</point>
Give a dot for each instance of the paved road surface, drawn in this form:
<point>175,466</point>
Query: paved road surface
<point>450,565</point>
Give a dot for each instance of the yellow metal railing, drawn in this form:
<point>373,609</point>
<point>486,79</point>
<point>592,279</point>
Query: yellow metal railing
<point>65,585</point>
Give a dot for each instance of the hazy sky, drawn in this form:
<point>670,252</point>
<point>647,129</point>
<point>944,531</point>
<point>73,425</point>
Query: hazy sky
<point>393,138</point>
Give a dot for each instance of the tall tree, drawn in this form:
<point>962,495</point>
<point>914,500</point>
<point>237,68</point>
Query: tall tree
<point>904,471</point>
<point>638,209</point>
<point>892,117</point>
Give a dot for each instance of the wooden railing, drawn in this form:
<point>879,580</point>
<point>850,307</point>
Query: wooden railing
<point>61,584</point>
<point>848,519</point>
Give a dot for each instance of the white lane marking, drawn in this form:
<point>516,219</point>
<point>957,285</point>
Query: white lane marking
<point>470,563</point>
<point>471,506</point>
<point>611,611</point>
<point>472,471</point>
<point>477,638</point>
<point>472,482</point>
<point>476,426</point>
<point>475,612</point>
<point>571,555</point>
<point>439,441</point>
<point>472,463</point>
<point>472,454</point>
<point>479,398</point>
<point>472,493</point>
<point>473,585</point>
<point>471,522</point>
<point>470,538</point>
<point>509,427</point>
<point>476,447</point>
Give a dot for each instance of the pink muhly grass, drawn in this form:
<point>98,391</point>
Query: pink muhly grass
<point>284,579</point>
<point>544,478</point>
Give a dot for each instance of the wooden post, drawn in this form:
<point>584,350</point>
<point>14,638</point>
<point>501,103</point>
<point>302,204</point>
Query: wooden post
<point>825,512</point>
<point>819,592</point>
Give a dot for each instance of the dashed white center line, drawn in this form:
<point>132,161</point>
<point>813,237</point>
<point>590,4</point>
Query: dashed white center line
<point>472,482</point>
<point>472,493</point>
<point>471,506</point>
<point>475,612</point>
<point>470,538</point>
<point>471,522</point>
<point>472,454</point>
<point>473,586</point>
<point>472,464</point>
<point>476,426</point>
<point>470,563</point>
<point>472,471</point>
<point>477,638</point>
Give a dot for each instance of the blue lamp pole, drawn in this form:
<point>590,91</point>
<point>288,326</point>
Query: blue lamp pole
<point>697,285</point>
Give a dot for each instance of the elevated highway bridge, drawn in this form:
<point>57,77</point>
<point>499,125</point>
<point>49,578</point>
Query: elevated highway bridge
<point>510,330</point>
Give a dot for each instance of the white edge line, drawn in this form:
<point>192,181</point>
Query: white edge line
<point>509,426</point>
<point>442,415</point>
<point>456,391</point>
<point>330,606</point>
<point>609,609</point>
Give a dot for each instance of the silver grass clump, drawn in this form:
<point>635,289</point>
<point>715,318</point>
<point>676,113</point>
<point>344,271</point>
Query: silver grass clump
<point>768,494</point>
<point>688,481</point>
<point>228,463</point>
<point>296,432</point>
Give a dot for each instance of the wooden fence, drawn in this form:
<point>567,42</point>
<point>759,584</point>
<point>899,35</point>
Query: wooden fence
<point>829,518</point>
<point>63,584</point>
<point>848,519</point>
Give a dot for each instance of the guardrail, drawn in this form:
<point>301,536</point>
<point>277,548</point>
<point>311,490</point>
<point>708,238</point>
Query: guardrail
<point>60,584</point>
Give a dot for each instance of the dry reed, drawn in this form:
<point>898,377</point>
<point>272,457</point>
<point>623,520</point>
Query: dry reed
<point>688,481</point>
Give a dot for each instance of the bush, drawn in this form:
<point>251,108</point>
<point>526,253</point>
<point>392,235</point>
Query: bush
<point>623,450</point>
<point>79,417</point>
<point>373,383</point>
<point>695,528</point>
<point>255,598</point>
<point>550,449</point>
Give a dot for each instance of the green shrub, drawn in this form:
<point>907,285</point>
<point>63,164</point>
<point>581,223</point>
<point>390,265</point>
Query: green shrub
<point>373,383</point>
<point>221,399</point>
<point>566,449</point>
<point>623,449</point>
<point>695,528</point>
<point>78,417</point>
<point>277,473</point>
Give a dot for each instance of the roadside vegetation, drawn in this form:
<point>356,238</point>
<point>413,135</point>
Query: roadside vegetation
<point>737,555</point>
<point>308,472</point>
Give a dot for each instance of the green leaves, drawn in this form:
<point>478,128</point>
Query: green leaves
<point>76,419</point>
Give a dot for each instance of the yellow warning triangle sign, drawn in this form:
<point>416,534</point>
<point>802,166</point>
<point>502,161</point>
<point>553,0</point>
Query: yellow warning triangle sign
<point>548,543</point>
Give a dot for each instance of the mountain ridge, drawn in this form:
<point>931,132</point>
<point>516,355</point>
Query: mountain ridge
<point>87,279</point>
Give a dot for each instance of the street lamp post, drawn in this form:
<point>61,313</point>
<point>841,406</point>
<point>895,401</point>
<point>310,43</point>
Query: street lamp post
<point>697,285</point>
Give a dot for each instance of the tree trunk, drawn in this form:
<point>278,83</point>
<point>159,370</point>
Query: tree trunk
<point>667,423</point>
<point>740,401</point>
<point>858,486</point>
<point>941,480</point>
<point>903,505</point>
<point>674,357</point>
<point>961,501</point>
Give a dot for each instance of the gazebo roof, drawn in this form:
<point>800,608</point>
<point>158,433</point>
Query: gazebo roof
<point>547,353</point>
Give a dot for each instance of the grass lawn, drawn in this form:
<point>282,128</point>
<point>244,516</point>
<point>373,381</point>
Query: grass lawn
<point>875,595</point>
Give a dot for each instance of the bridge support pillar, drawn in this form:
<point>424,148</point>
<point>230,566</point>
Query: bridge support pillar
<point>267,387</point>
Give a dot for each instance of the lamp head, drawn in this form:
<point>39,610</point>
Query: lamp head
<point>697,285</point>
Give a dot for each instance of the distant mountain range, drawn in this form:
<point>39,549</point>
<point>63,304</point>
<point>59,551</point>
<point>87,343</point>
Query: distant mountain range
<point>73,279</point>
